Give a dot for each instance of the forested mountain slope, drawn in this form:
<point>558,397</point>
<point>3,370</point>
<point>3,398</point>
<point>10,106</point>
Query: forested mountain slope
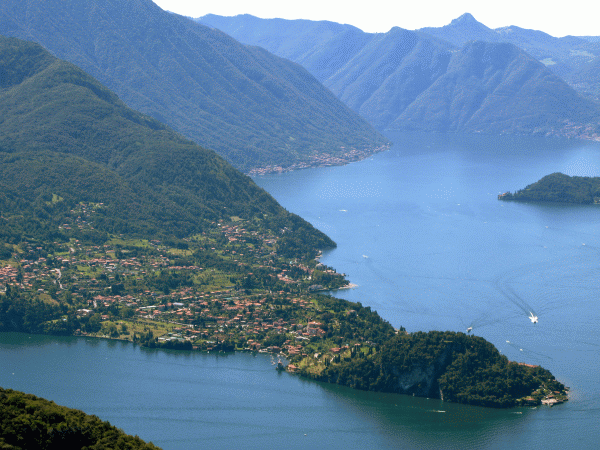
<point>498,88</point>
<point>251,107</point>
<point>66,139</point>
<point>569,57</point>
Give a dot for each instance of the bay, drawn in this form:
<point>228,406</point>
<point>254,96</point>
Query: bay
<point>421,232</point>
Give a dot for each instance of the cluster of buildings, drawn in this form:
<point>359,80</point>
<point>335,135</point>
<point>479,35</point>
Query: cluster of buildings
<point>87,274</point>
<point>323,159</point>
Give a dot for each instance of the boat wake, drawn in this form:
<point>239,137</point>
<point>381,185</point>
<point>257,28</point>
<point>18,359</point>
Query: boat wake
<point>518,301</point>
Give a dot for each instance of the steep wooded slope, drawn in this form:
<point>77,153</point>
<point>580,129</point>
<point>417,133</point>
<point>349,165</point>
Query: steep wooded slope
<point>498,88</point>
<point>251,107</point>
<point>66,139</point>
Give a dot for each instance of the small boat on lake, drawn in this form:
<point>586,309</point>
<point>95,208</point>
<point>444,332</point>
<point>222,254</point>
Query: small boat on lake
<point>533,318</point>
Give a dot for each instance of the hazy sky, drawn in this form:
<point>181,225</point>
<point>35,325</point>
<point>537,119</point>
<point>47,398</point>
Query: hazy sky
<point>558,18</point>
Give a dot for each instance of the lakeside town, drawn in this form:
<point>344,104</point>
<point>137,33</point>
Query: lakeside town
<point>322,160</point>
<point>246,297</point>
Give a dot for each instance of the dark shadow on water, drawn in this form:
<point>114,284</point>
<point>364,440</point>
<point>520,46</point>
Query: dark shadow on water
<point>441,424</point>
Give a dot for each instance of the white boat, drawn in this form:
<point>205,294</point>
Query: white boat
<point>533,318</point>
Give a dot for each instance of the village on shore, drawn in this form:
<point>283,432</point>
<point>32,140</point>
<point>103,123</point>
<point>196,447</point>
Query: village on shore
<point>247,299</point>
<point>322,160</point>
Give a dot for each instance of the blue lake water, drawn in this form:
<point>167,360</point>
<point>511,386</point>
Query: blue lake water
<point>421,232</point>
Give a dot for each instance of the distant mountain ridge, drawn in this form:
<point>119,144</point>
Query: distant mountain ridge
<point>412,80</point>
<point>253,108</point>
<point>322,47</point>
<point>569,57</point>
<point>498,88</point>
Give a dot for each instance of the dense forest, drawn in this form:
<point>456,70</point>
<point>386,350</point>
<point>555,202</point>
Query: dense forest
<point>558,187</point>
<point>452,366</point>
<point>29,422</point>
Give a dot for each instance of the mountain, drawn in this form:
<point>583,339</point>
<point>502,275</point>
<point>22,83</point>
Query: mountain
<point>463,29</point>
<point>498,88</point>
<point>586,79</point>
<point>66,139</point>
<point>377,75</point>
<point>387,75</point>
<point>569,57</point>
<point>251,107</point>
<point>414,80</point>
<point>322,47</point>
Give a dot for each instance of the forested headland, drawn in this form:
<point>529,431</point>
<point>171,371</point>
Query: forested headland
<point>558,187</point>
<point>452,366</point>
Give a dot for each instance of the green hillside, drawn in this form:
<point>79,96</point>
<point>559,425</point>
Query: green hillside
<point>66,139</point>
<point>28,422</point>
<point>253,108</point>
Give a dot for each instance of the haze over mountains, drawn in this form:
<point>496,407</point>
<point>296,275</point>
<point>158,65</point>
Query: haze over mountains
<point>253,108</point>
<point>435,79</point>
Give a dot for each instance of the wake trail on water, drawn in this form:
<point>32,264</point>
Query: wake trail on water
<point>447,292</point>
<point>490,318</point>
<point>557,280</point>
<point>519,301</point>
<point>538,287</point>
<point>528,351</point>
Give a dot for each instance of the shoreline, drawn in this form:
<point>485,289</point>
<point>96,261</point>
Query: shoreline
<point>295,366</point>
<point>321,160</point>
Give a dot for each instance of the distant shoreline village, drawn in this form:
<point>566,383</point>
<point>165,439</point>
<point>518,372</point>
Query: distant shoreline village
<point>322,160</point>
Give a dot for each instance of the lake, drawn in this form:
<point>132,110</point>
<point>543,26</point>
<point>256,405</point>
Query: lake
<point>421,232</point>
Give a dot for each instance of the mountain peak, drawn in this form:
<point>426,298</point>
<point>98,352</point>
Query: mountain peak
<point>466,18</point>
